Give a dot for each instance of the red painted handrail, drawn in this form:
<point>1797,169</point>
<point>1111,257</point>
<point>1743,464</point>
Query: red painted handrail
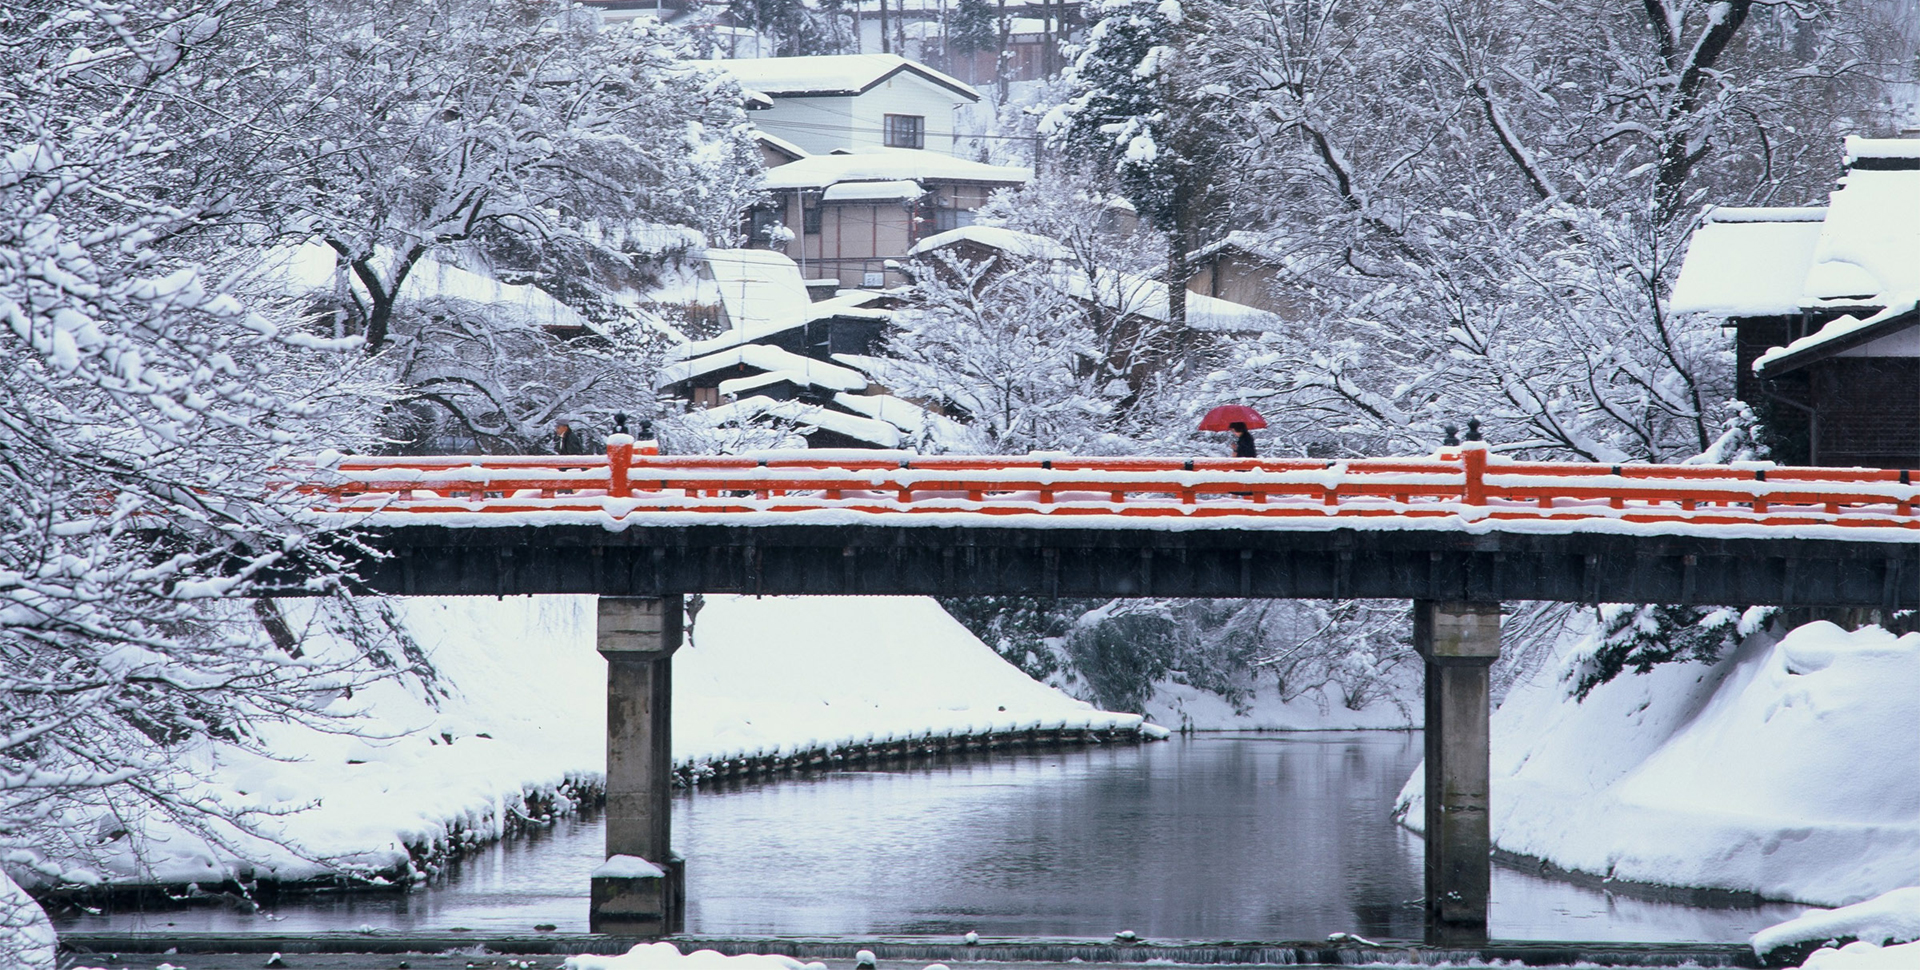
<point>1466,482</point>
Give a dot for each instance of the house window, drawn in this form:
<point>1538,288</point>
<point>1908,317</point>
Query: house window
<point>945,220</point>
<point>706,397</point>
<point>762,221</point>
<point>906,131</point>
<point>810,220</point>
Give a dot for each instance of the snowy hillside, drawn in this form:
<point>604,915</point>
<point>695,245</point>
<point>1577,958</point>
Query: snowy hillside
<point>523,715</point>
<point>1786,769</point>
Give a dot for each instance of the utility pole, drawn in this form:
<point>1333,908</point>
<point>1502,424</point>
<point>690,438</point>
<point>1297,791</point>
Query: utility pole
<point>886,41</point>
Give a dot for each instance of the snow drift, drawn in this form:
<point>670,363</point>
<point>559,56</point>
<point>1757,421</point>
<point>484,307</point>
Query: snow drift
<point>1785,769</point>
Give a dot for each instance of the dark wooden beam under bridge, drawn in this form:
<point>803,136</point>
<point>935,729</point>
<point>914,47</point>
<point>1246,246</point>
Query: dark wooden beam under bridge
<point>1406,563</point>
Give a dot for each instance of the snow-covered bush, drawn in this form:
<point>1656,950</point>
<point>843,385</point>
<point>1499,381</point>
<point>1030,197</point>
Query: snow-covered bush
<point>1636,637</point>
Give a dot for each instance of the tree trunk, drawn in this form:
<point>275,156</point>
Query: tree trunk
<point>1178,271</point>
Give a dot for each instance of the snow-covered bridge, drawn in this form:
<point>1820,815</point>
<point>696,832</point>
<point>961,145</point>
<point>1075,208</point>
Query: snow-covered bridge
<point>1460,525</point>
<point>1457,533</point>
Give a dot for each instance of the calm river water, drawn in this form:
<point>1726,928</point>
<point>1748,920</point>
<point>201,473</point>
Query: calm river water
<point>1231,836</point>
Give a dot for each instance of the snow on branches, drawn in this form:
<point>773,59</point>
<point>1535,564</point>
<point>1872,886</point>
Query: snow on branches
<point>145,426</point>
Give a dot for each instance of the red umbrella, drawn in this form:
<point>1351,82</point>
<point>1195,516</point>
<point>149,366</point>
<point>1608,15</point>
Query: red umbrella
<point>1223,417</point>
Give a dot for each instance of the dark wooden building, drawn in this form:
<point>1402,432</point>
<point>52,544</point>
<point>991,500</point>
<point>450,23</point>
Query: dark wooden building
<point>1821,304</point>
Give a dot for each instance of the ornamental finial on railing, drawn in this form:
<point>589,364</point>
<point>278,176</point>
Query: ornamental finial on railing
<point>1473,430</point>
<point>1451,438</point>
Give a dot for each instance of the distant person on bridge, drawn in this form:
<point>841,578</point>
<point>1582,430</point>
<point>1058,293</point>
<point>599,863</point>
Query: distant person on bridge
<point>567,440</point>
<point>1238,419</point>
<point>1242,441</point>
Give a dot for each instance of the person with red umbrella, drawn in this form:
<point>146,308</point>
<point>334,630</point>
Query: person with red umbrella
<point>1237,418</point>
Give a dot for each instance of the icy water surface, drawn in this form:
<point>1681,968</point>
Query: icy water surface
<point>1242,836</point>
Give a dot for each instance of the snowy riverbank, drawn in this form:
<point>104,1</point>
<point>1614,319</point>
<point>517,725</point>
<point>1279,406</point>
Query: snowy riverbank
<point>515,722</point>
<point>1786,769</point>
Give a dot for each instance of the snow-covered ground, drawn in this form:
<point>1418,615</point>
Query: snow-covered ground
<point>666,956</point>
<point>1180,705</point>
<point>1785,769</point>
<point>1893,918</point>
<point>523,714</point>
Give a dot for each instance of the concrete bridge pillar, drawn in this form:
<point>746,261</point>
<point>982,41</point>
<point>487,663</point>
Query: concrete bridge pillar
<point>641,891</point>
<point>1460,642</point>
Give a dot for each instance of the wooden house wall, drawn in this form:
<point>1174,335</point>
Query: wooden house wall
<point>1868,411</point>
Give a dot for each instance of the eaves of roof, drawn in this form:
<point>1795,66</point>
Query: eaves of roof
<point>1815,348</point>
<point>848,91</point>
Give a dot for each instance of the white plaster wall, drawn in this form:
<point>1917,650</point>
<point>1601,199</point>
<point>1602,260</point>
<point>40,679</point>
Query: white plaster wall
<point>819,125</point>
<point>907,94</point>
<point>1906,343</point>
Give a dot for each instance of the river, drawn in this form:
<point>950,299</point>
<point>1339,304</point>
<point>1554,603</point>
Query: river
<point>1210,837</point>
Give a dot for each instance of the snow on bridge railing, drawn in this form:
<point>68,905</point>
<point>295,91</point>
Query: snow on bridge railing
<point>1464,481</point>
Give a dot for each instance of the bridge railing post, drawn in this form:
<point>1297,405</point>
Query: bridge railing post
<point>619,460</point>
<point>1473,460</point>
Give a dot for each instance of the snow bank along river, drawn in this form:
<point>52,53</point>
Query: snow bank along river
<point>516,720</point>
<point>1268,836</point>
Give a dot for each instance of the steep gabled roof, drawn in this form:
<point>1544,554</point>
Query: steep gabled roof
<point>832,75</point>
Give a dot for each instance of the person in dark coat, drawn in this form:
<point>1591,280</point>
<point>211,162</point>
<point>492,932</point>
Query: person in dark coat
<point>1242,441</point>
<point>567,439</point>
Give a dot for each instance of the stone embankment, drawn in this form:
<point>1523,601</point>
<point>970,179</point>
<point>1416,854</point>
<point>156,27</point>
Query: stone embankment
<point>889,749</point>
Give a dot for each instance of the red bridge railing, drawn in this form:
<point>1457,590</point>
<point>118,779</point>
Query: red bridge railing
<point>1464,482</point>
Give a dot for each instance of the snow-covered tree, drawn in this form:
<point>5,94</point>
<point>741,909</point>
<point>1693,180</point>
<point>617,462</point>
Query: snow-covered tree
<point>433,147</point>
<point>406,131</point>
<point>1001,343</point>
<point>1484,203</point>
<point>148,423</point>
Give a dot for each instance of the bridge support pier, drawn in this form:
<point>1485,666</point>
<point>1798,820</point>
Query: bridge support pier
<point>1460,642</point>
<point>641,891</point>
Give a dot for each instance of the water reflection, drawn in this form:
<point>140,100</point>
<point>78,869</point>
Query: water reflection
<point>1276,836</point>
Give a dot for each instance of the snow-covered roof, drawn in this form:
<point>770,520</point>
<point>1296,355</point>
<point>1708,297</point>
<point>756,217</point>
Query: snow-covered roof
<point>765,358</point>
<point>780,144</point>
<point>849,303</point>
<point>308,269</point>
<point>1889,149</point>
<point>1748,262</point>
<point>852,303</point>
<point>1131,293</point>
<point>1126,292</point>
<point>1871,244</point>
<point>905,190</point>
<point>1859,250</point>
<point>1013,242</point>
<point>1838,337</point>
<point>877,432</point>
<point>886,370</point>
<point>832,75</point>
<point>741,385</point>
<point>761,289</point>
<point>905,415</point>
<point>888,164</point>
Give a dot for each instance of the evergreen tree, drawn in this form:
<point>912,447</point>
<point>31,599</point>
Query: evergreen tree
<point>1141,112</point>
